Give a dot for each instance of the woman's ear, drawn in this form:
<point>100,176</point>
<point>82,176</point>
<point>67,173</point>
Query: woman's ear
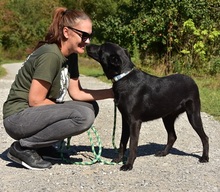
<point>66,32</point>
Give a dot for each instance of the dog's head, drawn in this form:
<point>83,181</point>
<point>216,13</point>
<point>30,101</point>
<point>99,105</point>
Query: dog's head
<point>114,59</point>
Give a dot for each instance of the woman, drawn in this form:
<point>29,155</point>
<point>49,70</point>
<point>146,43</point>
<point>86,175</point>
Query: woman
<point>35,113</point>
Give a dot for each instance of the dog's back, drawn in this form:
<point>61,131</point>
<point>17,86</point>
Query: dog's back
<point>159,96</point>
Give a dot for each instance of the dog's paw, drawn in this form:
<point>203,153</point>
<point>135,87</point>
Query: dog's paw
<point>204,159</point>
<point>160,154</point>
<point>126,167</point>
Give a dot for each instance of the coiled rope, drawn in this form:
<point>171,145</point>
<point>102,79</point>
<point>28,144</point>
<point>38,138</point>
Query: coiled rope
<point>97,155</point>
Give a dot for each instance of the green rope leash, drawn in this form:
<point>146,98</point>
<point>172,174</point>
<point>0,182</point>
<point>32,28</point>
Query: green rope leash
<point>114,128</point>
<point>97,156</point>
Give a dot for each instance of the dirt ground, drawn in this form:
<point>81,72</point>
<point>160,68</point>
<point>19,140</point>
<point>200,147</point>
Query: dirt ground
<point>179,171</point>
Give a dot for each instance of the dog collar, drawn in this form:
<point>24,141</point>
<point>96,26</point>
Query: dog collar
<point>120,76</point>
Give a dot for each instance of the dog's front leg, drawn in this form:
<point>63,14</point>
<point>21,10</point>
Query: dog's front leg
<point>123,142</point>
<point>134,137</point>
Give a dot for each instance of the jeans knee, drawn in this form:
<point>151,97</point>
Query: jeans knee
<point>88,120</point>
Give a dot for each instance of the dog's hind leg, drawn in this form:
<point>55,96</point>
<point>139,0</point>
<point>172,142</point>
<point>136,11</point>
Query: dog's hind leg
<point>193,114</point>
<point>169,125</point>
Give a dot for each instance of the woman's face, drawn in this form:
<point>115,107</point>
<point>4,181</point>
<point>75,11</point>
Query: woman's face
<point>77,37</point>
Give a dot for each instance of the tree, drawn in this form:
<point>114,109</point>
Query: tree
<point>26,23</point>
<point>180,35</point>
<point>155,28</point>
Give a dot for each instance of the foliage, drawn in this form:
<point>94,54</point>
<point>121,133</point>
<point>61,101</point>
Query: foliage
<point>200,45</point>
<point>158,28</point>
<point>176,36</point>
<point>23,26</point>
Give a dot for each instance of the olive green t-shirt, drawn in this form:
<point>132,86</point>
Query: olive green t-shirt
<point>45,63</point>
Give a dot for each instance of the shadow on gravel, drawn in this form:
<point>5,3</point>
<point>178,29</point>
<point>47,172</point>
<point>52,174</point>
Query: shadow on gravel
<point>143,150</point>
<point>4,157</point>
<point>152,148</point>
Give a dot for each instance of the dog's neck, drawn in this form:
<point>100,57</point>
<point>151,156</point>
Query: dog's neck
<point>120,76</point>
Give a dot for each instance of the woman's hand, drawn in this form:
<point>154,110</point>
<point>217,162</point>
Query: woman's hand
<point>76,92</point>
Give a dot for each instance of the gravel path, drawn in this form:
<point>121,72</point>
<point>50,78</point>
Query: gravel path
<point>178,171</point>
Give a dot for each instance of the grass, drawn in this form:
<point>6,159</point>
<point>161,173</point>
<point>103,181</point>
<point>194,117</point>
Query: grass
<point>210,94</point>
<point>90,67</point>
<point>2,70</point>
<point>209,86</point>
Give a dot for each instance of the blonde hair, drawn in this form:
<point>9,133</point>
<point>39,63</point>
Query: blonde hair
<point>62,17</point>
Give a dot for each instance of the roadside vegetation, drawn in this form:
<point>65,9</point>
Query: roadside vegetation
<point>162,36</point>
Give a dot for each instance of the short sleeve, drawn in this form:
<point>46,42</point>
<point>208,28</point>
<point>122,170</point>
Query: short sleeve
<point>47,67</point>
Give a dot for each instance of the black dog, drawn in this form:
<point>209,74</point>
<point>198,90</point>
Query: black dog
<point>141,97</point>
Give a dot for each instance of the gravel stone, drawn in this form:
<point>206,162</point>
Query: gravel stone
<point>179,171</point>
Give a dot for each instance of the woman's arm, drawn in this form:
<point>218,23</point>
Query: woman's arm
<point>76,92</point>
<point>38,92</point>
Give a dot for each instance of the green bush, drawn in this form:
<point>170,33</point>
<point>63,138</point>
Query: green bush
<point>173,35</point>
<point>181,39</point>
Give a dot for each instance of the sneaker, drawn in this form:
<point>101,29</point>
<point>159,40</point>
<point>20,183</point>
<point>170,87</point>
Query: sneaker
<point>27,157</point>
<point>52,153</point>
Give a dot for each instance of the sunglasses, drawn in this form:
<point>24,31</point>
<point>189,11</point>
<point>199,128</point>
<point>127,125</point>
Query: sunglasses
<point>84,36</point>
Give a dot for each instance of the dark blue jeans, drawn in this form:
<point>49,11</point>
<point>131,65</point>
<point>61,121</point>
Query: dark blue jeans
<point>43,126</point>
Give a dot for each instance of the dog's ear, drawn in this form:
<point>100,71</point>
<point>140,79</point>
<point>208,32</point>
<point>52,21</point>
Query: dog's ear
<point>115,60</point>
<point>127,53</point>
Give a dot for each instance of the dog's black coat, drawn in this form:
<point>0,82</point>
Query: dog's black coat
<point>141,97</point>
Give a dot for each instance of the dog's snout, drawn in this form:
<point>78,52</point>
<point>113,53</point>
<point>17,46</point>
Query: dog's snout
<point>93,50</point>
